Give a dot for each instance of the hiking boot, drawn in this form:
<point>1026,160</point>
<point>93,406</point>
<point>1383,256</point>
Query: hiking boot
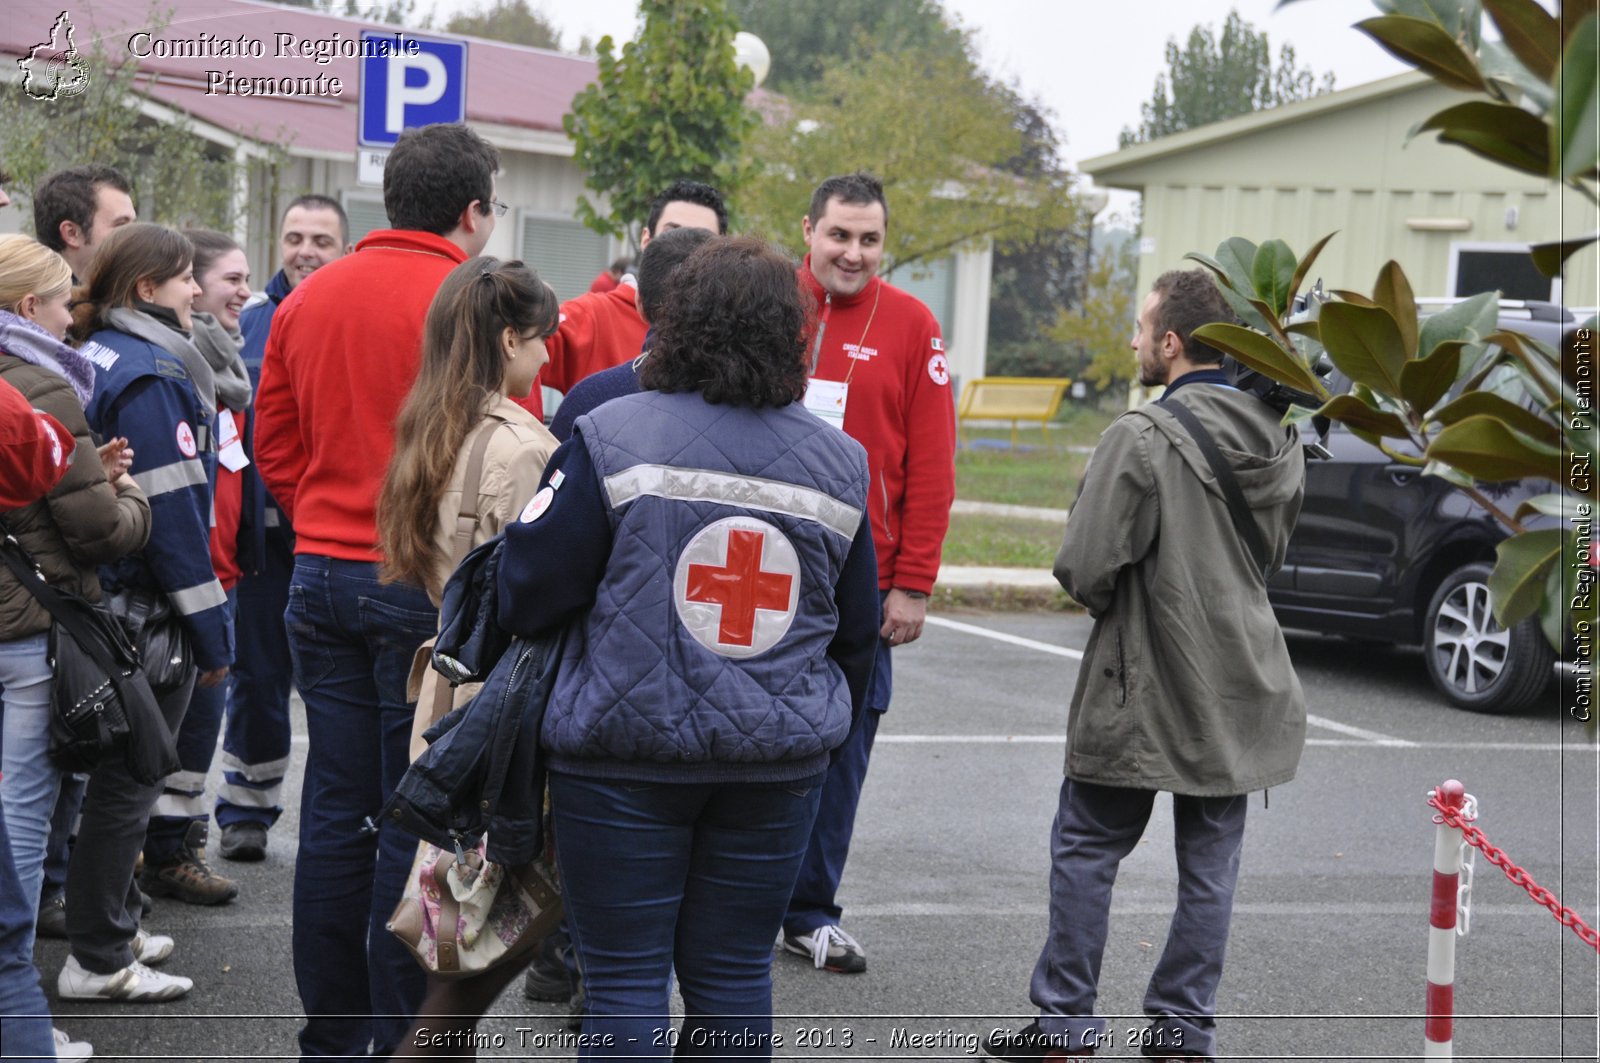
<point>135,984</point>
<point>186,875</point>
<point>67,1048</point>
<point>1030,1045</point>
<point>151,948</point>
<point>52,917</point>
<point>549,979</point>
<point>829,948</point>
<point>245,842</point>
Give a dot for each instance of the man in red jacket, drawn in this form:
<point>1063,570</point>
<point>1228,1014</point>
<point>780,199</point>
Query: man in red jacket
<point>344,349</point>
<point>601,329</point>
<point>878,371</point>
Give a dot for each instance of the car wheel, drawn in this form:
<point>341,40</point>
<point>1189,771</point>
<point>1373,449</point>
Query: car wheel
<point>1475,663</point>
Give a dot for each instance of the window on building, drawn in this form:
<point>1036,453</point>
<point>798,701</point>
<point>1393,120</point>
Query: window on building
<point>933,283</point>
<point>567,254</point>
<point>1506,268</point>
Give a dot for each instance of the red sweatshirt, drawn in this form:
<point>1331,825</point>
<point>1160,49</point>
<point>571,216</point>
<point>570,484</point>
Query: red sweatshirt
<point>344,350</point>
<point>227,504</point>
<point>598,330</point>
<point>899,406</point>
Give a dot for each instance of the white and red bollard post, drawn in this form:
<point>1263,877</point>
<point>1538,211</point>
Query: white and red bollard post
<point>1437,1029</point>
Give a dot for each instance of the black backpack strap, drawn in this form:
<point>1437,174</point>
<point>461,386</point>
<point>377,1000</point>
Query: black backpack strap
<point>58,605</point>
<point>1238,508</point>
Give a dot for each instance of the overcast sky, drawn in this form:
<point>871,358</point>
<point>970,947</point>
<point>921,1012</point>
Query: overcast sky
<point>1092,62</point>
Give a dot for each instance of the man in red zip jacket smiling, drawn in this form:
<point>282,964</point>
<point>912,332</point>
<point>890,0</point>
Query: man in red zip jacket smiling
<point>878,372</point>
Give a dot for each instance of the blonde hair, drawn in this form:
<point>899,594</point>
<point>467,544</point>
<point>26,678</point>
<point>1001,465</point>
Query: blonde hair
<point>27,267</point>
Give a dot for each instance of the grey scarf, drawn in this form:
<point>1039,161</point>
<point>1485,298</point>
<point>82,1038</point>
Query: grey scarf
<point>142,325</point>
<point>221,346</point>
<point>23,339</point>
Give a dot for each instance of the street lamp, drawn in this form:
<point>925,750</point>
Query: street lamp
<point>750,52</point>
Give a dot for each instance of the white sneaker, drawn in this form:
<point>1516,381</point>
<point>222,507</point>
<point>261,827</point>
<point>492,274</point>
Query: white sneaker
<point>135,982</point>
<point>67,1048</point>
<point>829,949</point>
<point>151,948</point>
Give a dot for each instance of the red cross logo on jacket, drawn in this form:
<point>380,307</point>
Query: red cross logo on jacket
<point>737,585</point>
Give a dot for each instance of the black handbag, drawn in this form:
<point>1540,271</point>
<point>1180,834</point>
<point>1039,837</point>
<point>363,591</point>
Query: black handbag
<point>157,633</point>
<point>101,702</point>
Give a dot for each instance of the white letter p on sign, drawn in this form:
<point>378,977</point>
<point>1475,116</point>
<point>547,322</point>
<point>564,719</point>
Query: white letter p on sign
<point>401,95</point>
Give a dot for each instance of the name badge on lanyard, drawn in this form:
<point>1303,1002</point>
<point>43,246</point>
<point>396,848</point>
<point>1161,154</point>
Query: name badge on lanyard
<point>230,448</point>
<point>826,399</point>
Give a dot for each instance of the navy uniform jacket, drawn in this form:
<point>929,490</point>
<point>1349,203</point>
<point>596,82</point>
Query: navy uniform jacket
<point>260,518</point>
<point>144,393</point>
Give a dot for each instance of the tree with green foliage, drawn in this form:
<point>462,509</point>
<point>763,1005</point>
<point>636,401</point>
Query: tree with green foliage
<point>670,106</point>
<point>1216,76</point>
<point>178,177</point>
<point>936,135</point>
<point>805,37</point>
<point>1096,334</point>
<point>512,21</point>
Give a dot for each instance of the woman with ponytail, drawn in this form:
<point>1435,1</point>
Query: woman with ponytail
<point>95,514</point>
<point>155,387</point>
<point>175,845</point>
<point>482,346</point>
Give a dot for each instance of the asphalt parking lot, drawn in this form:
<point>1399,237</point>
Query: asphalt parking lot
<point>946,884</point>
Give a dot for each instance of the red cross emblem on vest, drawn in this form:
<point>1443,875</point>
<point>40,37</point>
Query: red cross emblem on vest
<point>737,586</point>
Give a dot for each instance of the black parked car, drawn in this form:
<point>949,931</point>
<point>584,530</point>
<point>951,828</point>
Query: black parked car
<point>1383,554</point>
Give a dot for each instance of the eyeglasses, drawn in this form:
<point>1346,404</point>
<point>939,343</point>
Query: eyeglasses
<point>498,207</point>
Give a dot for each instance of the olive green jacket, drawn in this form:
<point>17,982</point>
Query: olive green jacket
<point>1186,685</point>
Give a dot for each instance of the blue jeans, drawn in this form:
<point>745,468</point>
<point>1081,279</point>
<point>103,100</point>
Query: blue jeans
<point>183,793</point>
<point>29,780</point>
<point>255,739</point>
<point>1095,827</point>
<point>24,1013</point>
<point>352,639</point>
<point>814,902</point>
<point>685,876</point>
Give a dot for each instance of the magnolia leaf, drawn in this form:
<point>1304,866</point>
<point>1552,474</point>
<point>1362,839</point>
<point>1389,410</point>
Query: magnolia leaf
<point>1552,504</point>
<point>1304,267</point>
<point>1296,415</point>
<point>1541,364</point>
<point>1357,415</point>
<point>1456,18</point>
<point>1261,354</point>
<point>1365,343</point>
<point>1547,258</point>
<point>1427,47</point>
<point>1423,381</point>
<point>1355,298</point>
<point>1575,138</point>
<point>1272,270</point>
<point>1470,319</point>
<point>1214,266</point>
<point>1249,311</point>
<point>1393,293</point>
<point>1488,404</point>
<point>1521,572</point>
<point>1529,31</point>
<point>1485,448</point>
<point>1514,81</point>
<point>1448,473</point>
<point>1236,256</point>
<point>1499,132</point>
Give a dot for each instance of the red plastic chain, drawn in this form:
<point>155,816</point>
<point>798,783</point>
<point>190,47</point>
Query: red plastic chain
<point>1475,837</point>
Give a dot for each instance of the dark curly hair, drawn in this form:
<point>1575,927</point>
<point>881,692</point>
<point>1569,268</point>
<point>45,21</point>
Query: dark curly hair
<point>732,327</point>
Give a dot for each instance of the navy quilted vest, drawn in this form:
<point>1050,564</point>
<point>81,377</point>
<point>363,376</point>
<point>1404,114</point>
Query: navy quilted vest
<point>705,656</point>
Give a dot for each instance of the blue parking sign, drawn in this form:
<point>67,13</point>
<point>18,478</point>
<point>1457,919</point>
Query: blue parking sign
<point>409,81</point>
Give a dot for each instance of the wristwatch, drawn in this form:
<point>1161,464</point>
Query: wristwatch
<point>914,595</point>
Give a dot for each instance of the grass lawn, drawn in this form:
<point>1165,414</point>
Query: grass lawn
<point>977,539</point>
<point>1035,474</point>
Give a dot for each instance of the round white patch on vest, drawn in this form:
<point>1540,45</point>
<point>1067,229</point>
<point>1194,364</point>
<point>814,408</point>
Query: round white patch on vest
<point>737,586</point>
<point>939,370</point>
<point>57,452</point>
<point>186,440</point>
<point>537,505</point>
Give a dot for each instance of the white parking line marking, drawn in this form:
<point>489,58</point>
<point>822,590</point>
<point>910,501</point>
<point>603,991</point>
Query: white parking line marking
<point>1578,746</point>
<point>1000,636</point>
<point>1077,655</point>
<point>1356,732</point>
